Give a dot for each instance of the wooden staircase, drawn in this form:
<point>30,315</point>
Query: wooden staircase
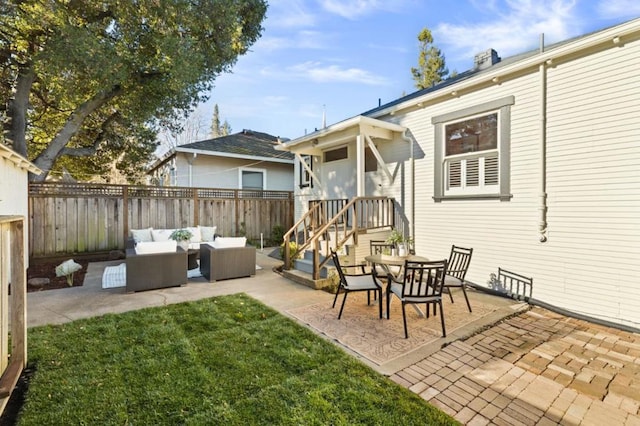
<point>325,227</point>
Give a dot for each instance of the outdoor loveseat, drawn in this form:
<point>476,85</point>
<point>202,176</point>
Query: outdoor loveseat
<point>227,258</point>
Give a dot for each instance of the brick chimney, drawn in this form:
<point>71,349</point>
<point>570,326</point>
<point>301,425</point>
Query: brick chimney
<point>485,59</point>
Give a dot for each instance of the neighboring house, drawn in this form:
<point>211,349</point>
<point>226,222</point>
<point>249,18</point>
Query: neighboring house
<point>14,188</point>
<point>244,160</point>
<point>531,160</point>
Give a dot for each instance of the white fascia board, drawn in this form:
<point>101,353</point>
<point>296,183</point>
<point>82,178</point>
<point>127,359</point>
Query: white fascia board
<point>615,36</point>
<point>18,160</point>
<point>230,155</point>
<point>359,123</point>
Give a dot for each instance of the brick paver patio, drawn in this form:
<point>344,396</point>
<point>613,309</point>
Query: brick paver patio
<point>538,367</point>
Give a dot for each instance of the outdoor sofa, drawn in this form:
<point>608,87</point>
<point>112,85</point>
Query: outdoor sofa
<point>227,258</point>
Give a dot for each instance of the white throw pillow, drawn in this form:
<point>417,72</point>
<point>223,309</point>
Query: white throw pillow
<point>142,235</point>
<point>227,242</point>
<point>161,234</point>
<point>196,236</point>
<point>207,233</point>
<point>153,247</point>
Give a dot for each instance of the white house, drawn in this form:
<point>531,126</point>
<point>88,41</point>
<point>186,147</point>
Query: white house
<point>531,160</point>
<point>243,160</point>
<point>14,187</point>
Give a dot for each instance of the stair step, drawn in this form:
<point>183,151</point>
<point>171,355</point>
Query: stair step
<point>306,265</point>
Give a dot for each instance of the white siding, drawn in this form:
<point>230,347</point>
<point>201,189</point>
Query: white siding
<point>222,172</point>
<point>14,187</point>
<point>589,264</point>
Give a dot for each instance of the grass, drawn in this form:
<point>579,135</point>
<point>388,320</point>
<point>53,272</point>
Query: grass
<point>228,360</point>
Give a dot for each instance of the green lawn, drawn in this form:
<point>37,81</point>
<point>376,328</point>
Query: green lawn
<point>228,360</point>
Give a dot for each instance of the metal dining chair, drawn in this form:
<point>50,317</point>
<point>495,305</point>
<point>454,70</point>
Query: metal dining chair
<point>382,247</point>
<point>422,282</point>
<point>459,260</point>
<point>356,282</point>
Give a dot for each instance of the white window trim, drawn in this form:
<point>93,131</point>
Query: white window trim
<point>335,148</point>
<point>500,191</point>
<point>302,173</point>
<point>253,170</point>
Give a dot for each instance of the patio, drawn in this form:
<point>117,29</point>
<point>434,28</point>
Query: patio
<point>501,368</point>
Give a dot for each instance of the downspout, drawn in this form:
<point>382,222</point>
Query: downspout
<point>412,172</point>
<point>542,224</point>
<point>191,161</point>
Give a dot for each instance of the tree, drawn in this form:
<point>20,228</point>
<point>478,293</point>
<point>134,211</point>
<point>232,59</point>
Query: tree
<point>226,129</point>
<point>215,122</point>
<point>98,79</point>
<point>431,64</point>
<point>217,129</point>
<point>191,130</point>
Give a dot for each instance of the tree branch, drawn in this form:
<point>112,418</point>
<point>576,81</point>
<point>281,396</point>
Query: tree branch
<point>47,157</point>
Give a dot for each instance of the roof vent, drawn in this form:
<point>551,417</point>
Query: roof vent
<point>485,59</point>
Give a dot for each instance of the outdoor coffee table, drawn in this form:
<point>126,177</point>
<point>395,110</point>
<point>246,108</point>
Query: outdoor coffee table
<point>192,258</point>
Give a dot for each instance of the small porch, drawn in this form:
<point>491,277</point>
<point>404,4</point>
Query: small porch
<point>354,181</point>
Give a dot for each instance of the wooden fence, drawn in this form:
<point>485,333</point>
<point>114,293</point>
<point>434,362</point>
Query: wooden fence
<point>88,218</point>
<point>13,305</point>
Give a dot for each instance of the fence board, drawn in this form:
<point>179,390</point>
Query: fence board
<point>87,218</point>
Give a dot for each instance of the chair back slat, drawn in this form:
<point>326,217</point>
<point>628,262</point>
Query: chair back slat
<point>379,246</point>
<point>459,260</point>
<point>424,279</point>
<point>336,263</point>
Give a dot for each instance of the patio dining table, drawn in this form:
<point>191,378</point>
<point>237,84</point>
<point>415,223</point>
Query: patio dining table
<point>385,261</point>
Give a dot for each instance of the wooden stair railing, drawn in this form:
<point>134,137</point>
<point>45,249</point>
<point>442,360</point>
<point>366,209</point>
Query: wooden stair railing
<point>359,214</point>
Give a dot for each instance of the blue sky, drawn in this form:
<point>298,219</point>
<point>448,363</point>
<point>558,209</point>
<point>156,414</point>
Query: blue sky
<point>342,56</point>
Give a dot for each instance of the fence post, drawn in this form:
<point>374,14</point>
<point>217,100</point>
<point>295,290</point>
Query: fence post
<point>236,194</point>
<point>125,215</point>
<point>196,207</point>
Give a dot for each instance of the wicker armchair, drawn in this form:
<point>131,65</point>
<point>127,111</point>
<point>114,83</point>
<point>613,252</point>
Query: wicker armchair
<point>225,263</point>
<point>155,270</point>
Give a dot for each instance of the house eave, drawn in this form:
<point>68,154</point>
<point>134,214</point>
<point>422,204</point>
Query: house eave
<point>232,155</point>
<point>18,160</point>
<point>340,133</point>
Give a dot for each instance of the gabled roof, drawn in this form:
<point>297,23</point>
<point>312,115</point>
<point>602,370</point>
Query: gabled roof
<point>247,144</point>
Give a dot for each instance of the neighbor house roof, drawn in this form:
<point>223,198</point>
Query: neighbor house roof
<point>247,144</point>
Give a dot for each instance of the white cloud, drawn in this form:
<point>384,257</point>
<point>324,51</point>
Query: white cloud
<point>300,40</point>
<point>515,27</point>
<point>619,8</point>
<point>289,14</point>
<point>320,73</point>
<point>353,9</point>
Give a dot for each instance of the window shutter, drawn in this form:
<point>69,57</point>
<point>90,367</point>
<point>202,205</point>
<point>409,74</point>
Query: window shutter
<point>472,177</point>
<point>455,174</point>
<point>491,170</point>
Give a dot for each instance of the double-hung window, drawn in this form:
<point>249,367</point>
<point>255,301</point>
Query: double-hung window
<point>471,155</point>
<point>305,176</point>
<point>471,152</point>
